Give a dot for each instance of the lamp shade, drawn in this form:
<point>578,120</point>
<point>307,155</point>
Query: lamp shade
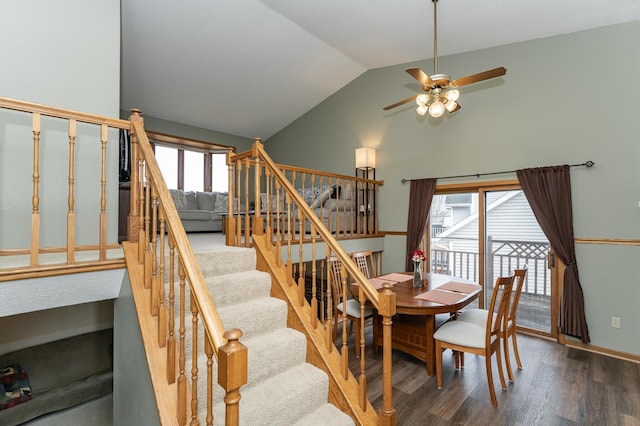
<point>365,158</point>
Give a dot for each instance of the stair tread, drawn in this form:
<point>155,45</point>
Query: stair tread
<point>325,415</point>
<point>224,288</point>
<point>270,402</point>
<point>250,316</point>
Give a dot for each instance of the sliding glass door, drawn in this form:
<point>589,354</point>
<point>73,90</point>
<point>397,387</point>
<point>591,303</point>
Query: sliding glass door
<point>486,231</point>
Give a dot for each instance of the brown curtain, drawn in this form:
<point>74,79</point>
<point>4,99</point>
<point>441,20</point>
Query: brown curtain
<point>420,196</point>
<point>548,190</point>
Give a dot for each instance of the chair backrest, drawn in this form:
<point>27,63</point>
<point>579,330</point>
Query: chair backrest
<point>500,298</point>
<point>334,265</point>
<point>520,275</point>
<point>364,261</point>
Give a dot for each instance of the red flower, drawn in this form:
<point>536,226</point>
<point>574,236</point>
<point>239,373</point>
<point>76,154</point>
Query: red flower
<point>417,256</point>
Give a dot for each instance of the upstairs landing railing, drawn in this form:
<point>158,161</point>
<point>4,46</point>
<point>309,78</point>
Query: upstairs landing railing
<point>347,205</point>
<point>295,232</point>
<point>57,226</point>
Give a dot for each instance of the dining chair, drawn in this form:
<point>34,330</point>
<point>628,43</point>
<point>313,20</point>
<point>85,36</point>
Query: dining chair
<point>364,262</point>
<point>479,316</point>
<point>351,307</point>
<point>467,337</point>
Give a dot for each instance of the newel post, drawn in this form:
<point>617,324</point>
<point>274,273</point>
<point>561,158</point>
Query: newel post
<point>387,309</point>
<point>133,220</point>
<point>232,373</point>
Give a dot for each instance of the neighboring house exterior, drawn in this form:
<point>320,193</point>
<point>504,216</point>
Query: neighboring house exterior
<point>513,238</point>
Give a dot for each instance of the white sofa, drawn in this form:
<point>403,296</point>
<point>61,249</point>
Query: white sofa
<point>200,211</point>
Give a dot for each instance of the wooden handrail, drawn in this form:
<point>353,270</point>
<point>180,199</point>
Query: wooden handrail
<point>205,303</point>
<point>371,293</point>
<point>256,169</point>
<point>153,214</point>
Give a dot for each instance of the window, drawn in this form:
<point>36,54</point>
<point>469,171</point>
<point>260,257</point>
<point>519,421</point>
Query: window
<point>168,161</point>
<point>186,169</point>
<point>193,171</point>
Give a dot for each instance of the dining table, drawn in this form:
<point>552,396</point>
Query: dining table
<point>420,310</point>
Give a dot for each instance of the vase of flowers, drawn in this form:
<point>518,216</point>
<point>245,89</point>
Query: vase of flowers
<point>417,256</point>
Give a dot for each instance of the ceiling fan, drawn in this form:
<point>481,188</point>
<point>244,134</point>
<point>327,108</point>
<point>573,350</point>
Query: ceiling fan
<point>441,92</point>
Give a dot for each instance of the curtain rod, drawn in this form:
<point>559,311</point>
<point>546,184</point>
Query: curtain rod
<point>477,175</point>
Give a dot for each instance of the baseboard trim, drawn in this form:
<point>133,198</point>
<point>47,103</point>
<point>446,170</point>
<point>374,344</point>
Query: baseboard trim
<point>603,351</point>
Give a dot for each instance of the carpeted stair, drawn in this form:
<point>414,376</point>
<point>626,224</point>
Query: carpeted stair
<point>282,389</point>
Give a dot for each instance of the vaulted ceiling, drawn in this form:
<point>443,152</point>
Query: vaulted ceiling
<point>251,67</point>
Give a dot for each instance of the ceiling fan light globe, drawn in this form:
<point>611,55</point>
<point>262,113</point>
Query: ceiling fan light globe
<point>422,99</point>
<point>436,109</point>
<point>452,95</point>
<point>422,109</point>
<point>451,106</point>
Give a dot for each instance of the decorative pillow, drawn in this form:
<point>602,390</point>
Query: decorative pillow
<point>14,386</point>
<point>324,196</point>
<point>347,191</point>
<point>313,193</point>
<point>206,200</point>
<point>222,202</point>
<point>273,202</point>
<point>192,202</point>
<point>333,205</point>
<point>179,200</point>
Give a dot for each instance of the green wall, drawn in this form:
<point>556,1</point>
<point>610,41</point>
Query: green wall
<point>64,54</point>
<point>564,100</point>
<point>191,132</point>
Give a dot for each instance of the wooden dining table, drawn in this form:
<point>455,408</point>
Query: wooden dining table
<point>420,310</point>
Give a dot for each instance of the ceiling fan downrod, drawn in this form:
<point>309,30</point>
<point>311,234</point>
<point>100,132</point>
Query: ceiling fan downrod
<point>435,37</point>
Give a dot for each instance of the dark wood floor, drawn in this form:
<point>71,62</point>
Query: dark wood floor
<point>557,386</point>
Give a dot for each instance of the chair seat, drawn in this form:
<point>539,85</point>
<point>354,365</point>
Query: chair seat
<point>476,316</point>
<point>462,333</point>
<point>353,308</point>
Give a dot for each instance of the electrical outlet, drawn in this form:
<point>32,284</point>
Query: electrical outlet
<point>615,322</point>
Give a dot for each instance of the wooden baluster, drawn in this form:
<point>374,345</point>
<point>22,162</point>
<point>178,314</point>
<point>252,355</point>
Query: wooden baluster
<point>257,225</point>
<point>154,239</point>
<point>289,238</point>
<point>71,219</point>
<point>279,230</point>
<point>329,322</point>
<point>230,207</point>
<point>194,359</point>
<point>134,214</point>
<point>267,208</point>
<point>140,201</point>
<point>159,283</point>
<point>147,248</point>
<point>314,300</point>
<point>344,353</point>
<point>182,379</point>
<point>300,287</point>
<point>387,309</point>
<point>229,228</point>
<point>363,375</point>
<point>103,193</point>
<point>35,199</point>
<point>171,342</point>
<point>232,373</point>
<point>208,350</point>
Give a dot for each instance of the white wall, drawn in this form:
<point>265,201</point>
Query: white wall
<point>564,100</point>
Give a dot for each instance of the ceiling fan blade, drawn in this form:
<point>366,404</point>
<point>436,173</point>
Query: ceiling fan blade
<point>486,75</point>
<point>397,104</point>
<point>420,75</point>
